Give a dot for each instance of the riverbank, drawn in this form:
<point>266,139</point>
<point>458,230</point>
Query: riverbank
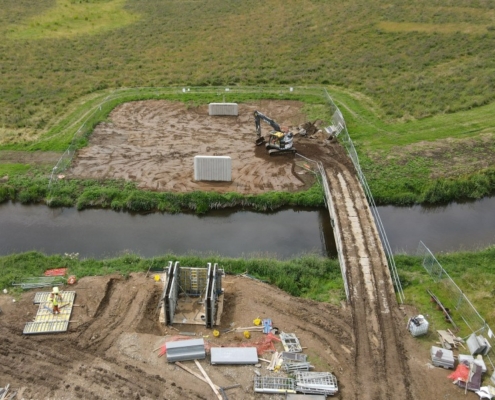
<point>430,161</point>
<point>120,195</point>
<point>310,276</point>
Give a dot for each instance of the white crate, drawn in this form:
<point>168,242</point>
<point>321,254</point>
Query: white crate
<point>212,168</point>
<point>418,330</point>
<point>223,109</point>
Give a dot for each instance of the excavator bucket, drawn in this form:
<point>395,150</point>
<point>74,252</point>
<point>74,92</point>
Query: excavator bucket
<point>260,141</point>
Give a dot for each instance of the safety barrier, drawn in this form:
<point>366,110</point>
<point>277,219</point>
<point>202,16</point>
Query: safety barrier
<point>453,297</point>
<point>344,136</point>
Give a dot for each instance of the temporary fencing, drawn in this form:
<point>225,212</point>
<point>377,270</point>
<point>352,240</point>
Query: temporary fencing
<point>343,134</point>
<point>452,297</point>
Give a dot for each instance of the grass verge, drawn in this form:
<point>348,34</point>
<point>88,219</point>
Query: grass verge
<point>124,196</point>
<point>307,276</point>
<point>473,273</point>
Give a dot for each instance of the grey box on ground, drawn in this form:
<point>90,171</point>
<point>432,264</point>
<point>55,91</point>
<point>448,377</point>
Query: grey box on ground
<point>223,109</point>
<point>442,357</point>
<point>234,355</point>
<point>186,350</point>
<point>478,345</point>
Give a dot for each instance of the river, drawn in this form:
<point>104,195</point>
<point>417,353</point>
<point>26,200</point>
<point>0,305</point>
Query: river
<point>453,227</point>
<point>283,234</point>
<point>104,233</point>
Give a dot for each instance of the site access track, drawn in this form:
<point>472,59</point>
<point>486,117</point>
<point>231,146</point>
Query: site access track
<point>381,365</point>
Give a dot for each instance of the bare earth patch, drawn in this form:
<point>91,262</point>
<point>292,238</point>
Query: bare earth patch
<point>153,143</point>
<point>450,157</point>
<point>109,351</point>
<point>29,157</point>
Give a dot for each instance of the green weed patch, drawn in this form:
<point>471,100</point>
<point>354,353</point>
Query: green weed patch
<point>473,272</point>
<point>124,196</point>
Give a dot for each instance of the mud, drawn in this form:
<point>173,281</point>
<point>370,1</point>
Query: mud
<point>109,351</point>
<point>153,143</point>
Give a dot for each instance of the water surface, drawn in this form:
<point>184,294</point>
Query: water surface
<point>106,233</point>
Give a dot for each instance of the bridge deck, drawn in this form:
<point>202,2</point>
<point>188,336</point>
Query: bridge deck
<point>371,293</point>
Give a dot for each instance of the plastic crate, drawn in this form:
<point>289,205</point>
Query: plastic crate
<point>418,325</point>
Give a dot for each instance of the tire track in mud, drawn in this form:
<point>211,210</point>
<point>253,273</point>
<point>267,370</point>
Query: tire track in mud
<point>119,308</point>
<point>379,356</point>
<point>57,365</point>
<point>70,366</point>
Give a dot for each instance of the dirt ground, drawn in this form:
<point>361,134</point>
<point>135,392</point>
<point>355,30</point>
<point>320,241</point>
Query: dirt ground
<point>153,143</point>
<point>109,349</point>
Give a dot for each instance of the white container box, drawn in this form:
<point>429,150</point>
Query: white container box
<point>417,325</point>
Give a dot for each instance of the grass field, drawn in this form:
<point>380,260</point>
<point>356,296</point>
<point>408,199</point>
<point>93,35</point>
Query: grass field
<point>412,60</point>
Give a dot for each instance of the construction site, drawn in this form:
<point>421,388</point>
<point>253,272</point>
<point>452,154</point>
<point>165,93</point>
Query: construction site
<point>197,333</point>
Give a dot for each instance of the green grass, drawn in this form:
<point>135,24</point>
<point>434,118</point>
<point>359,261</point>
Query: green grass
<point>121,195</point>
<point>413,60</point>
<point>473,273</point>
<point>11,170</point>
<point>307,276</point>
<point>407,76</point>
<point>433,160</point>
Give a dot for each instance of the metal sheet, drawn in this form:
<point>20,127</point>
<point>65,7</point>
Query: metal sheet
<point>316,383</point>
<point>185,350</point>
<point>291,396</point>
<point>234,355</point>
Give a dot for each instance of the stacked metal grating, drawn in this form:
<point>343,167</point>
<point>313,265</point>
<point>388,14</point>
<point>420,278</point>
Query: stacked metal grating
<point>305,397</point>
<point>441,357</point>
<point>290,342</point>
<point>185,350</point>
<point>290,357</point>
<point>296,366</point>
<point>39,282</point>
<point>295,361</point>
<point>272,384</point>
<point>323,383</point>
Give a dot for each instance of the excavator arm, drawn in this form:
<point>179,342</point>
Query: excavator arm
<point>257,119</point>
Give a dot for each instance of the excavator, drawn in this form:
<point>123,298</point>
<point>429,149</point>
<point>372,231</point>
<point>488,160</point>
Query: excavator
<point>279,141</point>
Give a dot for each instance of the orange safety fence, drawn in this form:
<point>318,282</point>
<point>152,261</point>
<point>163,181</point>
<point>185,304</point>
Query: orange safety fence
<point>56,272</point>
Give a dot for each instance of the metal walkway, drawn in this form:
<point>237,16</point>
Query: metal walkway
<point>47,322</point>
